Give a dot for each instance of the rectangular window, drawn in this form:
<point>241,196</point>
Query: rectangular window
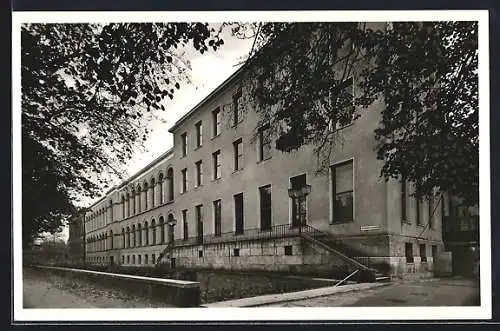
<point>238,213</point>
<point>200,253</point>
<point>434,252</point>
<point>217,217</point>
<point>299,205</point>
<point>216,119</point>
<point>345,99</point>
<point>403,200</point>
<point>265,207</point>
<point>184,180</point>
<point>237,107</point>
<point>236,252</point>
<point>264,143</point>
<point>199,134</point>
<point>409,252</point>
<point>288,250</point>
<point>423,253</point>
<point>430,202</point>
<point>199,173</point>
<point>343,192</point>
<point>184,144</point>
<point>146,259</point>
<point>153,258</point>
<point>238,154</point>
<point>199,221</point>
<point>417,210</point>
<point>216,165</point>
<point>185,225</point>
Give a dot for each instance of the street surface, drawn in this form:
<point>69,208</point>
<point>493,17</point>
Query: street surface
<point>45,290</point>
<point>432,292</point>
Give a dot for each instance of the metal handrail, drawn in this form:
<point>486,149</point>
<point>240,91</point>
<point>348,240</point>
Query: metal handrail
<point>273,232</point>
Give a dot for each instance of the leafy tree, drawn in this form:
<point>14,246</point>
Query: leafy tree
<point>301,79</point>
<point>87,89</point>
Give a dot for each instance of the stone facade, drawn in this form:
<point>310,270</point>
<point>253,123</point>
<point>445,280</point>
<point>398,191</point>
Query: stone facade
<point>379,227</point>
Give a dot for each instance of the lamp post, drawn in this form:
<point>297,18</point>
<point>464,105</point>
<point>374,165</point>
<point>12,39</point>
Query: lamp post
<point>171,223</point>
<point>297,194</point>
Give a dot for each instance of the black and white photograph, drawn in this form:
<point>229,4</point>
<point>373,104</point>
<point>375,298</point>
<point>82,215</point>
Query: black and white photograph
<point>251,165</point>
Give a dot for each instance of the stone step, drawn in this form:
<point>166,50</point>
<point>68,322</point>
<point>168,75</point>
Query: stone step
<point>382,279</point>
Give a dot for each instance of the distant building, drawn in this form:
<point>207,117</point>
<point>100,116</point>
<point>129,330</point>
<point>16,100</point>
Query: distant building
<point>76,241</point>
<point>226,189</point>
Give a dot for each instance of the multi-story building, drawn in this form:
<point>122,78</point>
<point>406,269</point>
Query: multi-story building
<point>222,198</point>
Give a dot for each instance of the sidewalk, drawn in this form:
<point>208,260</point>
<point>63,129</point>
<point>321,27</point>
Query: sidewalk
<point>432,292</point>
<point>271,299</point>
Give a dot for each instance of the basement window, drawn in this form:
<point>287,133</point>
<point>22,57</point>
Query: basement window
<point>200,253</point>
<point>288,250</point>
<point>236,252</point>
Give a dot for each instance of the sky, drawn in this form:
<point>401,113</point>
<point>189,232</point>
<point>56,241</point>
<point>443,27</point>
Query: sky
<point>208,71</point>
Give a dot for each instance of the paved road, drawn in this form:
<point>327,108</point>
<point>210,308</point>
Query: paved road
<point>45,290</point>
<point>435,292</point>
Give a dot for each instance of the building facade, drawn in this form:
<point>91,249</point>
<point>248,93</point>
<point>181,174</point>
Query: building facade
<point>220,199</point>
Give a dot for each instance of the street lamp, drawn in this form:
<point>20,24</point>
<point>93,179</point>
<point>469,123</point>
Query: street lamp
<point>297,194</point>
<point>171,222</point>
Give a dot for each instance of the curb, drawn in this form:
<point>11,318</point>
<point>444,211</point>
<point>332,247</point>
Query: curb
<point>293,296</point>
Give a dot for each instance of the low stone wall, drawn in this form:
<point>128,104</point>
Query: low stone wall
<point>290,255</point>
<point>219,285</point>
<point>179,293</point>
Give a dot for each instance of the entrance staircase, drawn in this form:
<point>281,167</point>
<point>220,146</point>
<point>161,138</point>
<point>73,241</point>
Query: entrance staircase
<point>354,258</point>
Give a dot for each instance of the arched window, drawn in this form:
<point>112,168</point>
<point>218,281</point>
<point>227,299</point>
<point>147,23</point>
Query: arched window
<point>123,237</point>
<point>152,192</point>
<point>139,234</point>
<point>153,230</point>
<point>132,201</point>
<point>128,205</point>
<point>146,194</point>
<point>133,236</point>
<point>139,210</point>
<point>123,207</point>
<point>128,236</point>
<point>110,211</point>
<point>146,233</point>
<point>160,189</point>
<point>162,229</point>
<point>170,180</point>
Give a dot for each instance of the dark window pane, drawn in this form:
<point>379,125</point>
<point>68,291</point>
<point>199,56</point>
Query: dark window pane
<point>217,217</point>
<point>238,211</point>
<point>265,207</point>
<point>409,252</point>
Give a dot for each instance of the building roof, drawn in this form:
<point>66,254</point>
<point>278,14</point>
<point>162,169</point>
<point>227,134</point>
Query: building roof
<point>134,176</point>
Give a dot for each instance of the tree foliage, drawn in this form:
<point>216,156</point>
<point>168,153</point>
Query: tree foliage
<point>86,91</point>
<point>425,73</point>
